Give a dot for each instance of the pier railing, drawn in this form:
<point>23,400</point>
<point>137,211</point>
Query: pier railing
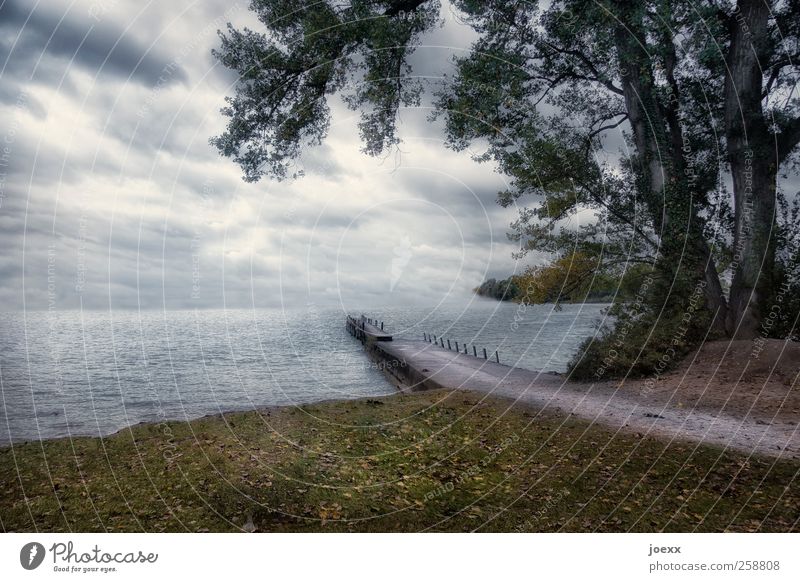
<point>440,342</point>
<point>364,329</point>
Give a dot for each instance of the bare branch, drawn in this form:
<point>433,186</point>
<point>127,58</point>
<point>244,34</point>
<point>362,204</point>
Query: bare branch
<point>600,130</point>
<point>788,139</point>
<point>597,75</point>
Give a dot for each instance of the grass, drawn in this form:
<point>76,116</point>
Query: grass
<point>435,461</point>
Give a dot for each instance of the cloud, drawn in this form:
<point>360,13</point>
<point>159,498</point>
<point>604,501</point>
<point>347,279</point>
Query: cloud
<point>73,38</point>
<point>107,204</point>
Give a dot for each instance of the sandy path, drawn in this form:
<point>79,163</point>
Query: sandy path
<point>614,405</point>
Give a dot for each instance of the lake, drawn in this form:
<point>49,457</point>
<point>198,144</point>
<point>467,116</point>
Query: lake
<point>92,373</point>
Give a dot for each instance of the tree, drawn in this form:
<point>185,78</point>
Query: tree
<point>602,68</point>
<point>505,290</point>
<point>762,130</point>
<point>313,49</point>
<point>541,89</point>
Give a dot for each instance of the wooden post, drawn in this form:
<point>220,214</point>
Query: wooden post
<point>484,354</point>
<point>381,326</point>
<point>442,341</point>
<point>474,351</point>
<point>497,356</point>
<point>458,350</point>
<point>448,345</point>
<point>465,348</point>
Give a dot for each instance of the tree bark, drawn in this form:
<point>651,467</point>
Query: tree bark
<point>659,145</point>
<point>754,165</point>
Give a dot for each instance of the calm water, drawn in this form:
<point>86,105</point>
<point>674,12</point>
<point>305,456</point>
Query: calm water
<point>94,373</point>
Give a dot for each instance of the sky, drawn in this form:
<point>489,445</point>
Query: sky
<point>112,198</point>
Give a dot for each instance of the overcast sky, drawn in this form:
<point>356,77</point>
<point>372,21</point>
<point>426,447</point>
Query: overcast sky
<point>111,196</point>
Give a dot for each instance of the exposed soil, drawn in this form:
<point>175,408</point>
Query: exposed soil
<point>743,379</point>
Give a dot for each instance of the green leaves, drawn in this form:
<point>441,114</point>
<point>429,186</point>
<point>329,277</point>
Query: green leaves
<point>311,51</point>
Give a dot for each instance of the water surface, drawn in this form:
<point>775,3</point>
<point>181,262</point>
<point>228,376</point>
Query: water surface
<point>93,373</point>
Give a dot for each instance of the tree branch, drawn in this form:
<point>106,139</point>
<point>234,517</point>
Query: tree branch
<point>403,6</point>
<point>598,77</point>
<point>788,139</point>
<point>775,70</point>
<point>600,130</point>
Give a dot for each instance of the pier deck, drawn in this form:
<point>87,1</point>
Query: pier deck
<point>364,329</point>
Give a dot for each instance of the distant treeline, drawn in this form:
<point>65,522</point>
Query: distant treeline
<point>503,290</point>
<point>570,279</point>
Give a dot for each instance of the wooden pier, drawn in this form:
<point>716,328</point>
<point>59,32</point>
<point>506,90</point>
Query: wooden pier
<point>412,365</point>
<point>426,364</point>
<point>365,329</point>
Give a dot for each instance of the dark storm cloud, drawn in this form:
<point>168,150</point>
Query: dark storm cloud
<point>327,219</point>
<point>74,36</point>
<point>321,160</point>
<point>144,210</point>
<point>447,190</point>
<point>10,95</point>
<point>46,164</point>
<point>163,127</point>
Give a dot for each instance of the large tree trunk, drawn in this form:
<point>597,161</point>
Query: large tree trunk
<point>754,184</point>
<point>705,264</point>
<point>659,145</point>
<point>714,294</point>
<point>752,157</point>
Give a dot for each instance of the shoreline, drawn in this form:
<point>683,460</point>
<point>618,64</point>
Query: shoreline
<point>526,407</point>
<point>207,416</point>
<point>743,413</point>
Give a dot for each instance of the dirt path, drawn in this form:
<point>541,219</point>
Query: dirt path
<point>669,408</point>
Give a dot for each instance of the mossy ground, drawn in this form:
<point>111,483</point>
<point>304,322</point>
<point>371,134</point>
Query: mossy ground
<point>436,461</point>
